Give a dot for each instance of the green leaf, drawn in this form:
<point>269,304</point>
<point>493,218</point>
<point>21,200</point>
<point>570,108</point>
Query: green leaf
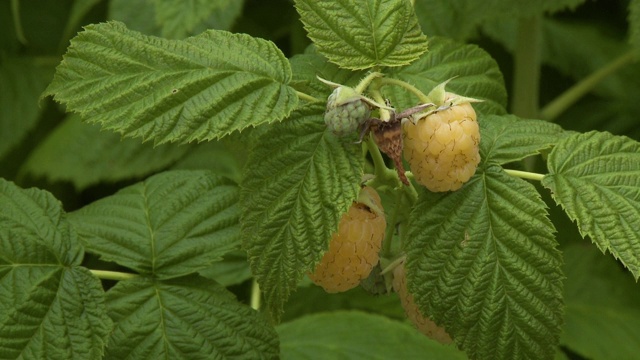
<point>169,225</point>
<point>22,80</point>
<point>185,318</point>
<point>175,19</point>
<point>482,262</point>
<point>356,335</point>
<point>201,88</point>
<point>459,19</point>
<point>475,74</point>
<point>509,138</point>
<point>602,306</point>
<point>84,155</point>
<point>364,34</point>
<point>231,270</point>
<point>634,23</point>
<point>50,308</point>
<point>298,182</point>
<point>595,177</point>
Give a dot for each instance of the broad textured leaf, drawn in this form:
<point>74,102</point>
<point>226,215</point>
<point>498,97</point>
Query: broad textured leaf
<point>602,306</point>
<point>186,318</point>
<point>634,22</point>
<point>298,182</point>
<point>175,19</point>
<point>200,88</point>
<point>364,34</point>
<point>509,138</point>
<point>482,262</point>
<point>169,225</point>
<point>475,74</point>
<point>50,307</point>
<point>458,19</point>
<point>81,153</point>
<point>357,335</point>
<point>595,177</point>
<point>22,80</point>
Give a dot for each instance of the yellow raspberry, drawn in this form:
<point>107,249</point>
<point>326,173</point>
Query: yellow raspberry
<point>422,323</point>
<point>353,249</point>
<point>442,147</point>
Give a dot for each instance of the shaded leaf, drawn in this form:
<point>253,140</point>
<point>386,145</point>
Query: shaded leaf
<point>298,182</point>
<point>360,35</point>
<point>84,155</point>
<point>185,318</point>
<point>595,177</point>
<point>602,306</point>
<point>22,80</point>
<point>357,335</point>
<point>201,88</point>
<point>169,225</point>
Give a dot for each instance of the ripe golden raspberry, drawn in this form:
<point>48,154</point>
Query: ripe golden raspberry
<point>442,147</point>
<point>423,323</point>
<point>353,250</point>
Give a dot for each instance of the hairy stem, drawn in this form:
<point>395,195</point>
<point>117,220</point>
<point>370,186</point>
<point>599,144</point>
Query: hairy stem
<point>383,175</point>
<point>525,174</point>
<point>556,107</point>
<point>405,85</point>
<point>113,275</point>
<point>364,83</point>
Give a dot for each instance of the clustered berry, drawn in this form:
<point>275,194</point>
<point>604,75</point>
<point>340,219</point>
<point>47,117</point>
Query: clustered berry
<point>353,249</point>
<point>442,147</point>
<point>346,111</point>
<point>421,322</point>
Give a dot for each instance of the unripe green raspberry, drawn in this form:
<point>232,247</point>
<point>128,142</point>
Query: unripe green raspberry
<point>353,250</point>
<point>423,323</point>
<point>442,147</point>
<point>346,111</point>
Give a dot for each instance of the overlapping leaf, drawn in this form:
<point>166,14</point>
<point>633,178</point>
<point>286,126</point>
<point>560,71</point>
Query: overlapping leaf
<point>482,262</point>
<point>175,19</point>
<point>509,138</point>
<point>595,177</point>
<point>169,225</point>
<point>298,182</point>
<point>50,307</point>
<point>84,155</point>
<point>357,335</point>
<point>364,34</point>
<point>475,74</point>
<point>201,88</point>
<point>185,318</point>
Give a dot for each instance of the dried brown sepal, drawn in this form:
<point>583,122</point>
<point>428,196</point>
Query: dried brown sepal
<point>388,136</point>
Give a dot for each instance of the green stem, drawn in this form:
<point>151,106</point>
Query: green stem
<point>364,83</point>
<point>525,174</point>
<point>391,228</point>
<point>255,295</point>
<point>526,83</point>
<point>307,97</point>
<point>556,107</point>
<point>382,173</point>
<point>15,11</point>
<point>113,275</point>
<point>405,85</point>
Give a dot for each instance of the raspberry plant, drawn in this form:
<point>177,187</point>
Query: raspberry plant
<point>170,177</point>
